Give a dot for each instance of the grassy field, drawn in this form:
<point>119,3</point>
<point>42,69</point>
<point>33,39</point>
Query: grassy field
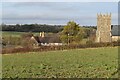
<point>80,63</point>
<point>15,34</point>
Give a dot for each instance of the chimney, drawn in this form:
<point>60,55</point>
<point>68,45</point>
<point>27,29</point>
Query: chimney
<point>40,34</point>
<point>43,34</point>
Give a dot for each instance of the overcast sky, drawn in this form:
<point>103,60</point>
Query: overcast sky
<point>84,13</point>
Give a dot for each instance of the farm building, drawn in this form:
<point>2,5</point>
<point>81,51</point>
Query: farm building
<point>46,39</point>
<point>115,32</point>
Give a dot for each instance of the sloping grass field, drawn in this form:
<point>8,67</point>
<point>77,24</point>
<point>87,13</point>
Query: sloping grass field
<point>77,63</point>
<point>15,34</point>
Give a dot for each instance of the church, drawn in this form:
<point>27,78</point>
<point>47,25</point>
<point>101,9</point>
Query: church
<point>105,31</point>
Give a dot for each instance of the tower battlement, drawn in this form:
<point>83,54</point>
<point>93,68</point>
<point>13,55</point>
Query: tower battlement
<point>99,16</point>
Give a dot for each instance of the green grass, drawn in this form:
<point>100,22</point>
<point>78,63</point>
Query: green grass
<point>80,63</point>
<point>15,34</point>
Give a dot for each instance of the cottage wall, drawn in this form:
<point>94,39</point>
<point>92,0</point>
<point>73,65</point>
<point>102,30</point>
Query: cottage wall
<point>115,38</point>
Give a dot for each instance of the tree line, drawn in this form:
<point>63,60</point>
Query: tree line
<point>32,28</point>
<point>35,28</point>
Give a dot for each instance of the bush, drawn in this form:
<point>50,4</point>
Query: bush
<point>89,42</point>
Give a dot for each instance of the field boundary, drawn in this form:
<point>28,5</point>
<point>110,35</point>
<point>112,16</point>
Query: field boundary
<point>55,48</point>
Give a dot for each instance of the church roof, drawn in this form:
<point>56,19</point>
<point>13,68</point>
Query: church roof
<point>115,30</point>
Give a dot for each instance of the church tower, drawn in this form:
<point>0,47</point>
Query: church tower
<point>103,33</point>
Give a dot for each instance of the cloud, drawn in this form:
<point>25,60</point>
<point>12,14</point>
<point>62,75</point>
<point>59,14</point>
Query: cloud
<point>60,0</point>
<point>54,12</point>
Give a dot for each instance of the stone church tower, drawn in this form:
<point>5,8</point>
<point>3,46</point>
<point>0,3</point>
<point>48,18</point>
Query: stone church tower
<point>103,33</point>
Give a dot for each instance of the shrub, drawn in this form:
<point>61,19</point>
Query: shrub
<point>89,42</point>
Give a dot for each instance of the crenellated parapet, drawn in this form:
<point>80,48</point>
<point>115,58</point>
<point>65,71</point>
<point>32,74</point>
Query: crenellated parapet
<point>104,15</point>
